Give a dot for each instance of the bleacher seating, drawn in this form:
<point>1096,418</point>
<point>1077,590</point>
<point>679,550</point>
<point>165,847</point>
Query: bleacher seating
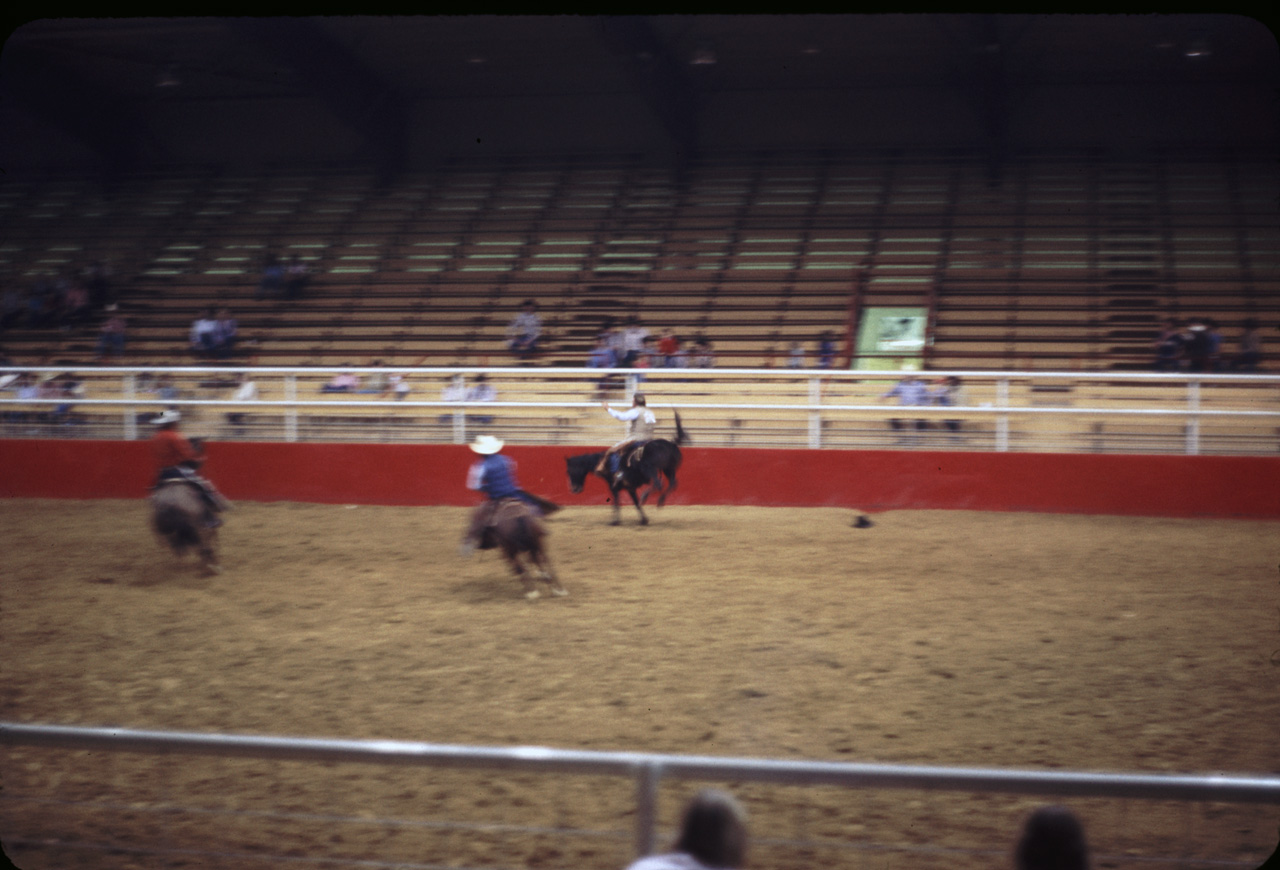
<point>1072,261</point>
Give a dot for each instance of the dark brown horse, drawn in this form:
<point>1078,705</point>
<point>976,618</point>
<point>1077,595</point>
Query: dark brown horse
<point>646,467</point>
<point>178,516</point>
<point>518,531</point>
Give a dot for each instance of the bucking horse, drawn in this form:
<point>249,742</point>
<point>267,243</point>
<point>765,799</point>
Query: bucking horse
<point>643,466</point>
<point>178,515</point>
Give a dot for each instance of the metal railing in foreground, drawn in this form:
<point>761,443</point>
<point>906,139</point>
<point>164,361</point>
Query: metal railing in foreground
<point>1099,412</point>
<point>648,770</point>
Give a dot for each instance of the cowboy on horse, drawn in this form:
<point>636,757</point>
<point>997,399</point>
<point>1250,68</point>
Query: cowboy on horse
<point>178,458</point>
<point>641,422</point>
<point>494,475</point>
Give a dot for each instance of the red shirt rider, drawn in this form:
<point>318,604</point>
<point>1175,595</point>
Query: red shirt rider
<point>170,447</point>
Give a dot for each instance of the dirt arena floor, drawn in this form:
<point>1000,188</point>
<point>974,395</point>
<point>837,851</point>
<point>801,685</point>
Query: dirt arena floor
<point>948,638</point>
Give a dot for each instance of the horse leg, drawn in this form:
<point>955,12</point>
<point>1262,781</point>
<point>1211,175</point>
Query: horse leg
<point>654,484</point>
<point>662,499</point>
<point>548,573</point>
<point>208,553</point>
<point>617,515</point>
<point>644,521</point>
<point>526,580</point>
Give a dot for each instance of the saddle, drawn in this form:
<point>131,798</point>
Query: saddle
<point>179,474</point>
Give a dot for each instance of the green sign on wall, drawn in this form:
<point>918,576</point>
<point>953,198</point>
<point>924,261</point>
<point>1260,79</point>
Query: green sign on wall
<point>889,338</point>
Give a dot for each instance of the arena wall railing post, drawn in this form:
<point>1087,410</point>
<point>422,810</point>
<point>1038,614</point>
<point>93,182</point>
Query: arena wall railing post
<point>291,412</point>
<point>130,412</point>
<point>1193,417</point>
<point>648,779</point>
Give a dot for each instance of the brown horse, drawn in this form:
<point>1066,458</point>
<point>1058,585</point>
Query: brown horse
<point>178,515</point>
<point>517,530</point>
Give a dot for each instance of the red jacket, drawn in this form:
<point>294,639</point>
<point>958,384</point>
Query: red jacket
<point>170,448</point>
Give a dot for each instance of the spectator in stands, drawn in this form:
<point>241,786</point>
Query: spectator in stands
<point>703,356</point>
<point>1170,346</point>
<point>296,276</point>
<point>399,385</point>
<point>272,277</point>
<point>1250,348</point>
<point>1214,337</point>
<point>668,347</point>
<point>911,391</point>
<point>602,356</point>
<point>376,384</point>
<point>227,336</point>
<point>166,388</point>
<point>454,391</point>
<point>26,387</point>
<point>246,391</point>
<point>112,334</point>
<point>649,357</point>
<point>524,331</point>
<point>204,334</point>
<point>613,338</point>
<point>1052,839</point>
<point>795,355</point>
<point>633,336</point>
<point>482,391</point>
<point>826,350</point>
<point>713,834</point>
<point>345,381</point>
<point>1199,346</point>
<point>949,391</point>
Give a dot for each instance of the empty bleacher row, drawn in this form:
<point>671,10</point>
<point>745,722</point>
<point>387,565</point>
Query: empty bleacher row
<point>1072,260</point>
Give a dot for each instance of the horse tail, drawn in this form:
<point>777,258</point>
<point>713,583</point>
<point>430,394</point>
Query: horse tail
<point>682,437</point>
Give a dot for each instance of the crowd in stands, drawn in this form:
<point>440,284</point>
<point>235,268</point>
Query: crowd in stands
<point>283,280</point>
<point>1196,346</point>
<point>379,384</point>
<point>62,301</point>
<point>714,834</point>
<point>213,334</point>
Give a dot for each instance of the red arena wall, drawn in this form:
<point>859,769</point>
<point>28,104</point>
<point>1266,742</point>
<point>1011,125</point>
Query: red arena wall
<point>410,474</point>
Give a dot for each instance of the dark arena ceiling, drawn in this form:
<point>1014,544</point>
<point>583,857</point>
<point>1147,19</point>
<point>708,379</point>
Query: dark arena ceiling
<point>141,91</point>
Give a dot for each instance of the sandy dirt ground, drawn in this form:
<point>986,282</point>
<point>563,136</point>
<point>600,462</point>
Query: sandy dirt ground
<point>948,638</point>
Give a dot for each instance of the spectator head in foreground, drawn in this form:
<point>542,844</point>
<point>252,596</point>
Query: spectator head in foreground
<point>1052,839</point>
<point>713,836</point>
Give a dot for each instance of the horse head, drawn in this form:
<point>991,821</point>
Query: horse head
<point>579,467</point>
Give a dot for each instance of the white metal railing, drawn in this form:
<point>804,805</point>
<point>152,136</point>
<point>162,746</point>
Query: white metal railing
<point>647,770</point>
<point>1037,411</point>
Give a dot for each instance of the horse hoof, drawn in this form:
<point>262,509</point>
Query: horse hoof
<point>213,570</point>
<point>560,592</point>
<point>533,594</point>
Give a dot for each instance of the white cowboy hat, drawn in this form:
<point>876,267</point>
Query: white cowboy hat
<point>486,445</point>
<point>166,418</point>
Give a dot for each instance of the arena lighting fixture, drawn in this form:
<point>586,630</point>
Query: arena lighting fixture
<point>1197,48</point>
<point>702,56</point>
<point>168,77</point>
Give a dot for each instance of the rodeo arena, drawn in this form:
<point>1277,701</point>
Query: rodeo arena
<point>662,442</point>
